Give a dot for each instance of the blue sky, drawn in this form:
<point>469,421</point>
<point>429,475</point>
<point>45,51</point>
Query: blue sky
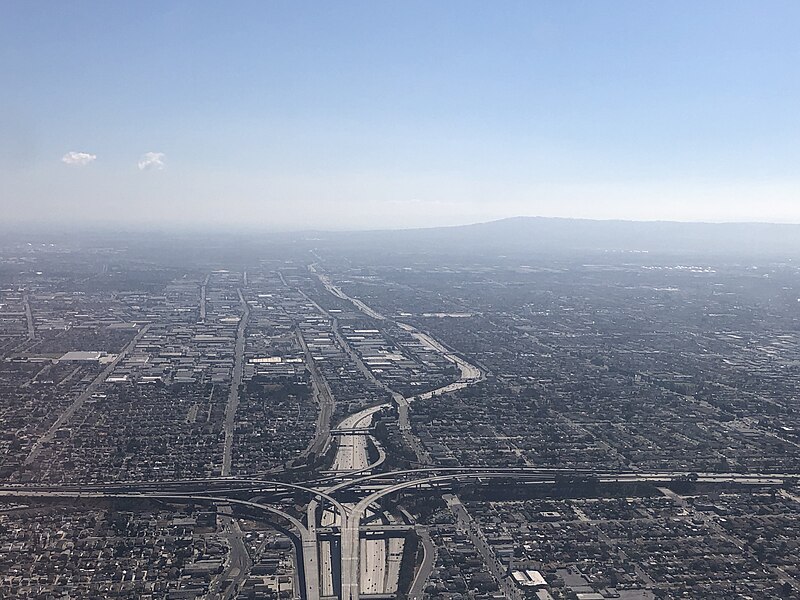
<point>376,114</point>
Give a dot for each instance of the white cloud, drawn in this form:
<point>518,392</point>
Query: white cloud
<point>151,161</point>
<point>78,159</point>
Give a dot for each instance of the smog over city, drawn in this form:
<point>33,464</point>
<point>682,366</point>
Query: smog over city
<point>417,300</point>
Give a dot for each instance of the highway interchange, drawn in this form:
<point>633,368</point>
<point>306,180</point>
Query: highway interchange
<point>348,549</point>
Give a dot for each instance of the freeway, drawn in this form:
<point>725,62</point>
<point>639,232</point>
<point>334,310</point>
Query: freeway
<point>236,382</point>
<point>194,487</point>
<point>29,317</point>
<point>325,401</point>
<point>238,563</point>
<point>469,374</point>
<point>426,568</point>
<point>352,459</point>
<point>336,291</point>
<point>350,548</point>
<point>327,551</point>
<point>384,481</point>
<point>369,564</point>
<point>351,528</point>
<point>372,573</point>
<point>306,550</point>
<point>394,557</point>
<point>341,340</point>
<point>321,390</point>
<point>355,458</point>
<point>201,317</point>
<point>379,561</point>
<point>352,455</point>
<point>380,565</point>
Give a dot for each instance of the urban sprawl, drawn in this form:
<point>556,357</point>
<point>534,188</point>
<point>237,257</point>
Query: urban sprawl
<point>314,423</point>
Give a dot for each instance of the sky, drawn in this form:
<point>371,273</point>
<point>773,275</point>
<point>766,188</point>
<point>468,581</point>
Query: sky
<point>353,115</point>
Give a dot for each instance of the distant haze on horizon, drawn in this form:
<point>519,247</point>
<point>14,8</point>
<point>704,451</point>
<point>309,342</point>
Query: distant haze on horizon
<point>371,115</point>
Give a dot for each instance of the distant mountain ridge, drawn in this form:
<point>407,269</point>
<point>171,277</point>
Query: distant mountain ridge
<point>518,236</point>
<point>521,234</point>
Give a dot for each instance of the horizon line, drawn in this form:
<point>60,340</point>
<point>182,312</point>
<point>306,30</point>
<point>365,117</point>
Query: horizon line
<point>23,227</point>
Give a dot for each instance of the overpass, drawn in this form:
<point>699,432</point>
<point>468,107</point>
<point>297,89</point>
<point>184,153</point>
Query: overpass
<point>357,478</point>
<point>373,487</point>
